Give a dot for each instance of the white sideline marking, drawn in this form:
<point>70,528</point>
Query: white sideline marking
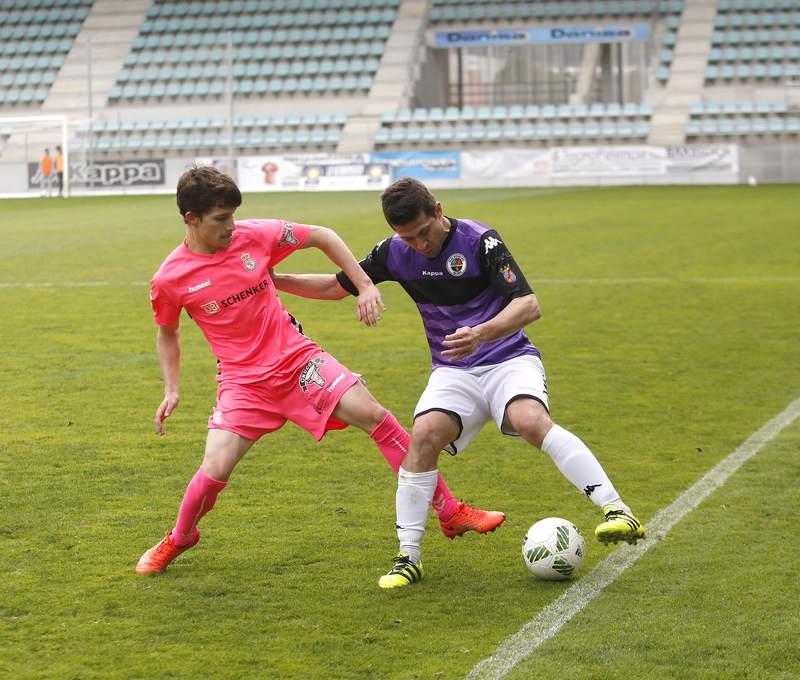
<point>550,620</point>
<point>668,279</point>
<point>556,282</point>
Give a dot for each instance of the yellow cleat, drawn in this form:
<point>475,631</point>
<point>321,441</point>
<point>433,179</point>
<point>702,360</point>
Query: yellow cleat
<point>620,525</point>
<point>403,573</point>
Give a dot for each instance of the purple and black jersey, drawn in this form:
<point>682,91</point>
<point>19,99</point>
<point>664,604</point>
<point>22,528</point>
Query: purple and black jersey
<point>469,282</point>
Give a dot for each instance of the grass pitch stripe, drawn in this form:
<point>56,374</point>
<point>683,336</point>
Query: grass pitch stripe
<point>70,284</point>
<point>551,619</point>
<point>556,282</point>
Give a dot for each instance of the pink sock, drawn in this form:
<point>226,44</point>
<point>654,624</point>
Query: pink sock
<point>200,496</point>
<point>393,441</point>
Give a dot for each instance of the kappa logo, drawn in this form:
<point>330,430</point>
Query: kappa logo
<point>589,490</point>
<point>456,264</point>
<point>310,374</point>
<point>490,243</point>
<point>287,237</point>
<point>211,307</point>
<point>200,286</point>
<point>248,262</point>
<point>508,274</point>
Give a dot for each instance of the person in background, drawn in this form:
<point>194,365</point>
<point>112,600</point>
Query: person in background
<point>60,170</point>
<point>46,173</point>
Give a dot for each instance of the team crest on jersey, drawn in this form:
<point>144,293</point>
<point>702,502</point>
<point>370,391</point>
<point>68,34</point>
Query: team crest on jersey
<point>456,264</point>
<point>287,237</point>
<point>248,262</point>
<point>310,374</point>
<point>508,274</point>
<point>211,307</point>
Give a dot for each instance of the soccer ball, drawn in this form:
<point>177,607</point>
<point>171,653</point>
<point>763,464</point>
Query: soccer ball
<point>553,549</point>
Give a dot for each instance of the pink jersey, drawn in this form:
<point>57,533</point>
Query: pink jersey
<point>230,295</point>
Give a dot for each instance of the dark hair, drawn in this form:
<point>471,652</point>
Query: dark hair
<point>405,199</point>
<point>203,187</point>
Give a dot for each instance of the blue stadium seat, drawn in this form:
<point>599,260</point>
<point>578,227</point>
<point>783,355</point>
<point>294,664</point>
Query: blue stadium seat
<point>382,135</point>
<point>446,133</point>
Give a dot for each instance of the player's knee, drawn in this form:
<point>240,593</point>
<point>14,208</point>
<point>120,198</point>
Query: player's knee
<point>372,412</point>
<point>421,457</point>
<point>219,462</point>
<point>428,438</point>
<point>533,425</point>
<point>375,415</point>
<point>218,467</point>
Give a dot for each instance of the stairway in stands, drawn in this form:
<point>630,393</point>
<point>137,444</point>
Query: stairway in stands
<point>671,114</point>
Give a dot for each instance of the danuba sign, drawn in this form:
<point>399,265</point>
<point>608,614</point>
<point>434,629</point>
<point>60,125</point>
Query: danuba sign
<point>554,35</point>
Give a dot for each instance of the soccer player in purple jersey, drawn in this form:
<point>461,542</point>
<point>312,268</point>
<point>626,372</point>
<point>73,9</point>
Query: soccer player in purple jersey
<point>474,302</point>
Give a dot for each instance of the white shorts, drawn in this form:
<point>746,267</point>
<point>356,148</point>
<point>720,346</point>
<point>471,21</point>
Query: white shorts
<point>476,395</point>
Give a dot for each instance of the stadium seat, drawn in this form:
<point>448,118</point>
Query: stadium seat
<point>296,41</point>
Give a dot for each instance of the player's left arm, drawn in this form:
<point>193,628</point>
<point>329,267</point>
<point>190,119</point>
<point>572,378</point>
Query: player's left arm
<point>505,276</point>
<point>515,316</point>
<point>370,302</point>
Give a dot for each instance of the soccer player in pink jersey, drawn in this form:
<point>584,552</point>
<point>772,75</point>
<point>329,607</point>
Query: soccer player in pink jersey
<point>269,372</point>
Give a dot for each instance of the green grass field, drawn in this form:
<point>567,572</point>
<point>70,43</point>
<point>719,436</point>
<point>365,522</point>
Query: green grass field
<point>670,331</point>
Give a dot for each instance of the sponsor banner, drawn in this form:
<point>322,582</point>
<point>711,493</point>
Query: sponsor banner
<point>312,172</point>
<point>226,165</point>
<point>270,173</point>
<point>422,165</point>
<point>506,164</point>
<point>621,161</point>
<point>345,172</point>
<point>102,174</point>
<point>703,158</point>
<point>553,35</point>
<point>644,161</point>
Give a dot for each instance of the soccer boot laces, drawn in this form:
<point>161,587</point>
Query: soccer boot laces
<point>403,573</point>
<point>160,555</point>
<point>468,518</point>
<point>619,525</point>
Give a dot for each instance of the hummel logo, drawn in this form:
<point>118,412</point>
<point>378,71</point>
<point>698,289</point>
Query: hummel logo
<point>200,286</point>
<point>589,490</point>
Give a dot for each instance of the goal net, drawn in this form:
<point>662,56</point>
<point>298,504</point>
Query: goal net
<point>39,145</point>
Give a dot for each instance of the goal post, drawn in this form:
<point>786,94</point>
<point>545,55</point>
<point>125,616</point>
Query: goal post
<point>38,131</point>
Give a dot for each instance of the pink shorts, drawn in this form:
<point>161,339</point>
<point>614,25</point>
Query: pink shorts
<point>306,395</point>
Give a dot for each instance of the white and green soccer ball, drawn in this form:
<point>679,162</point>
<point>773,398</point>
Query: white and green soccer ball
<point>553,549</point>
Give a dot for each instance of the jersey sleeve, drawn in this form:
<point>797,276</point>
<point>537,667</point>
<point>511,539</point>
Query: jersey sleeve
<point>500,268</point>
<point>279,238</point>
<point>375,265</point>
<point>166,308</point>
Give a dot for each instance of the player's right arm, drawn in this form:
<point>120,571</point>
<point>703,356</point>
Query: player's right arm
<point>168,346</point>
<point>335,286</point>
<point>167,311</point>
<point>316,286</point>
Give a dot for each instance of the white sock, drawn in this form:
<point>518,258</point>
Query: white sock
<point>578,464</point>
<point>414,495</point>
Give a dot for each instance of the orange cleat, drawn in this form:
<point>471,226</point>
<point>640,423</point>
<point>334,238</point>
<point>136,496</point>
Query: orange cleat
<point>466,518</point>
<point>157,559</point>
